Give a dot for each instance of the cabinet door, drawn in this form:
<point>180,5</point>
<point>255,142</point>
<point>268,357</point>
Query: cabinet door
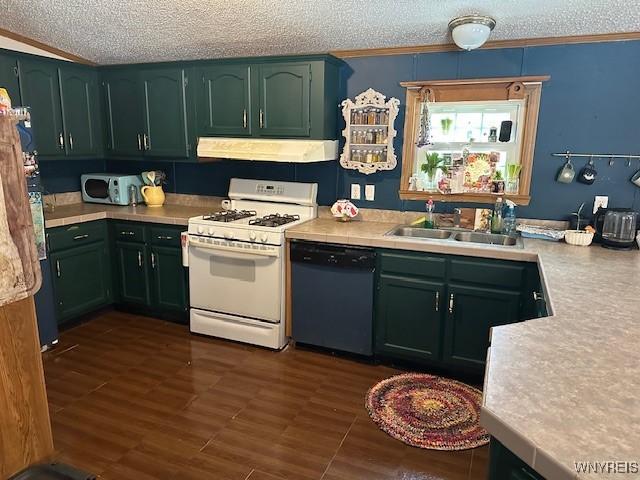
<point>133,284</point>
<point>165,116</point>
<point>78,91</point>
<point>81,279</point>
<point>169,278</point>
<point>40,90</point>
<point>224,106</point>
<point>409,317</point>
<point>283,97</point>
<point>471,312</point>
<point>9,78</point>
<point>123,108</point>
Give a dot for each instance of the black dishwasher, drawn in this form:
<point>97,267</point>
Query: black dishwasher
<point>332,289</point>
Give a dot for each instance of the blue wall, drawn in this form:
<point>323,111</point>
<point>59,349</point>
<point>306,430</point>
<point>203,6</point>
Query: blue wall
<point>590,104</point>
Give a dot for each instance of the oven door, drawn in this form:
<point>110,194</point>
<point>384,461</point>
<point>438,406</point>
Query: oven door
<point>231,278</point>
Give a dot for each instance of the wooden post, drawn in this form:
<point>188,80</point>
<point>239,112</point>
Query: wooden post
<point>25,427</point>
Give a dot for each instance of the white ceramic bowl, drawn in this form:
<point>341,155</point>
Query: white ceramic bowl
<point>578,237</point>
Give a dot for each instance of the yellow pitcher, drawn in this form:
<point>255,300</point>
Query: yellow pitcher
<point>153,196</point>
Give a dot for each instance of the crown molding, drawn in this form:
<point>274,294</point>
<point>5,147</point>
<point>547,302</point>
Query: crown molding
<point>43,46</point>
<point>517,43</point>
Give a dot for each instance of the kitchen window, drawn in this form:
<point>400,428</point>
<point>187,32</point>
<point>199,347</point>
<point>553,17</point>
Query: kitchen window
<point>470,140</point>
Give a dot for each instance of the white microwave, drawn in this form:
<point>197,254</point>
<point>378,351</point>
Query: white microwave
<point>111,188</point>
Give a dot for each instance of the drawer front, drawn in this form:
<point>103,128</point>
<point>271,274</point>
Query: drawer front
<point>167,236</point>
<point>488,272</point>
<point>78,234</point>
<point>129,231</point>
<point>414,264</point>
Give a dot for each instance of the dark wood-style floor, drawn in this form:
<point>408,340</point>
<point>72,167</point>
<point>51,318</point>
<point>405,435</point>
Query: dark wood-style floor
<point>138,398</point>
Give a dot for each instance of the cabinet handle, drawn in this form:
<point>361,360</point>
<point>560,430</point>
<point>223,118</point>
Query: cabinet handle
<point>437,301</point>
<point>58,268</point>
<point>153,260</point>
<point>261,119</point>
<point>451,303</point>
<point>244,118</point>
<point>164,237</point>
<point>81,237</point>
<point>139,142</point>
<point>145,141</point>
<point>126,233</point>
<point>537,296</point>
<point>70,142</point>
<point>61,141</point>
<point>139,258</point>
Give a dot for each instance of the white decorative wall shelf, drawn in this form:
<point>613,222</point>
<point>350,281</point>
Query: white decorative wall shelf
<point>369,132</point>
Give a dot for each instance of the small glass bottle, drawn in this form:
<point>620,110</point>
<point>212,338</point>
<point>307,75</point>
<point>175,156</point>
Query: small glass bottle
<point>369,156</point>
<point>354,136</point>
<point>356,156</point>
<point>371,120</point>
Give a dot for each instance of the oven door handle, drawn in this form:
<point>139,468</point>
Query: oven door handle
<point>233,251</point>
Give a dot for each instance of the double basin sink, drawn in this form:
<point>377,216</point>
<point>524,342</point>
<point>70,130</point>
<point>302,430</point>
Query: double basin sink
<point>456,235</point>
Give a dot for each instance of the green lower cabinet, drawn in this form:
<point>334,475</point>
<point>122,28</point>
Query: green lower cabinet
<point>471,312</point>
<point>133,273</point>
<point>408,317</point>
<point>504,465</point>
<point>169,279</point>
<point>81,279</point>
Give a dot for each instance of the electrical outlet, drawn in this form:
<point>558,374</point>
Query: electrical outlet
<point>355,191</point>
<point>370,192</point>
<point>600,201</point>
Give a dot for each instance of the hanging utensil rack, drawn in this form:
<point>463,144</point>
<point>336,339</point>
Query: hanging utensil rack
<point>593,156</point>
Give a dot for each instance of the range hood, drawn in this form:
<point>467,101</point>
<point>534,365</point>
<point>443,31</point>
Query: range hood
<point>267,150</point>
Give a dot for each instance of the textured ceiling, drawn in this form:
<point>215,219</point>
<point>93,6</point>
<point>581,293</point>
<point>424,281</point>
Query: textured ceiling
<point>122,31</point>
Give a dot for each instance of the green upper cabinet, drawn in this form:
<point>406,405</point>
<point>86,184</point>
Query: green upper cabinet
<point>224,102</point>
<point>9,78</point>
<point>408,317</point>
<point>121,90</point>
<point>164,113</point>
<point>284,100</point>
<point>471,312</point>
<point>146,112</point>
<point>39,89</point>
<point>80,114</point>
<point>288,97</point>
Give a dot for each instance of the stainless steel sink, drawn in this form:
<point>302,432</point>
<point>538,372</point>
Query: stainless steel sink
<point>486,238</point>
<point>455,235</point>
<point>420,233</point>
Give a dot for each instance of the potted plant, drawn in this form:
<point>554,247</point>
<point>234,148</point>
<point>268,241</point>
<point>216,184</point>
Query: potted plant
<point>433,163</point>
<point>578,236</point>
<point>497,183</point>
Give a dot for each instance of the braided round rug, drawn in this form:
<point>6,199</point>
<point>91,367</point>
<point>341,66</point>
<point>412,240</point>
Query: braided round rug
<point>427,411</point>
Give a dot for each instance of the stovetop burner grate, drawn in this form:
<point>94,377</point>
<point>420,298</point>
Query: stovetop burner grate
<point>274,220</point>
<point>229,215</point>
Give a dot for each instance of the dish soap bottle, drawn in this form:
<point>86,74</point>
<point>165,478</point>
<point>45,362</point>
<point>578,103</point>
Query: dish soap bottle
<point>509,221</point>
<point>429,220</point>
<point>496,218</point>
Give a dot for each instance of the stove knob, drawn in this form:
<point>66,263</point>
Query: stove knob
<point>264,238</point>
<point>211,231</point>
<point>200,229</point>
<point>228,235</point>
<point>252,236</point>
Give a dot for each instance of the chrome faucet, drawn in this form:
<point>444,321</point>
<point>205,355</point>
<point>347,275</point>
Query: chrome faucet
<point>457,213</point>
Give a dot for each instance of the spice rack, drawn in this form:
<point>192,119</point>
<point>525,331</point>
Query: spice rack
<point>369,132</point>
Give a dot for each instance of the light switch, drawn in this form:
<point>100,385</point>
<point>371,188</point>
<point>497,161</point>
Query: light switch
<point>600,201</point>
<point>370,192</point>
<point>355,191</point>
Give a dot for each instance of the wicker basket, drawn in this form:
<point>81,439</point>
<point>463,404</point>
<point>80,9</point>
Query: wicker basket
<point>578,237</point>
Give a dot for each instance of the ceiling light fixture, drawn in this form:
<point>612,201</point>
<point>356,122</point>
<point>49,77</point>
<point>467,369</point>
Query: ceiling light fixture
<point>471,31</point>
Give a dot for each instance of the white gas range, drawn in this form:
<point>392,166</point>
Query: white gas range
<point>236,260</point>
